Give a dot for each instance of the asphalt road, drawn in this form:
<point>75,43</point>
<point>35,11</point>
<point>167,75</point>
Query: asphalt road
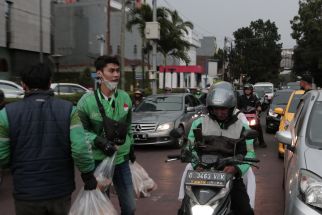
<point>269,194</point>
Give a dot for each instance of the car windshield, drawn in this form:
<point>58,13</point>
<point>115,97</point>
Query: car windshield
<point>314,133</point>
<point>281,98</point>
<point>294,86</point>
<point>294,103</point>
<point>161,103</point>
<point>266,89</point>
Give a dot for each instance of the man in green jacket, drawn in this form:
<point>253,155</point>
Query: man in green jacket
<point>41,138</point>
<point>107,138</point>
<point>221,122</point>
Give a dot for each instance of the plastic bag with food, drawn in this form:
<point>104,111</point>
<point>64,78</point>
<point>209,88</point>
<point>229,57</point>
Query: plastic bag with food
<point>143,184</point>
<point>105,171</point>
<point>92,202</point>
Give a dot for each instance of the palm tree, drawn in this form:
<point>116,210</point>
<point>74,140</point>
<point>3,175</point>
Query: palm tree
<point>138,17</point>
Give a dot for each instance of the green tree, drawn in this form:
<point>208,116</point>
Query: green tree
<point>257,53</point>
<point>307,31</point>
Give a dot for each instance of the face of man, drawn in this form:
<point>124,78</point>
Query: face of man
<point>247,91</point>
<point>110,75</point>
<point>220,113</point>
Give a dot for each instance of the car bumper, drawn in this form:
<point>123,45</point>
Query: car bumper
<point>153,138</point>
<point>272,123</point>
<point>299,208</point>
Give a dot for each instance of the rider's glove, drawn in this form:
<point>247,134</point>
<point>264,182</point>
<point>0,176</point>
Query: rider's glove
<point>89,181</point>
<point>131,154</point>
<point>105,145</point>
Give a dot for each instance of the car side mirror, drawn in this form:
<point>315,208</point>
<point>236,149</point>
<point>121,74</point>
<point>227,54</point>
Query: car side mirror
<point>190,109</point>
<point>285,137</point>
<point>279,111</point>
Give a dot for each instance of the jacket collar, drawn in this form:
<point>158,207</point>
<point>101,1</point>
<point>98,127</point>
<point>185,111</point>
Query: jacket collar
<point>33,92</point>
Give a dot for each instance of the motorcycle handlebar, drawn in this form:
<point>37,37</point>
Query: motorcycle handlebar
<point>253,160</point>
<point>174,156</point>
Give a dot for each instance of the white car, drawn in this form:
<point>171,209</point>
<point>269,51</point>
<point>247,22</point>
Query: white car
<point>11,89</point>
<point>68,88</point>
<point>267,87</point>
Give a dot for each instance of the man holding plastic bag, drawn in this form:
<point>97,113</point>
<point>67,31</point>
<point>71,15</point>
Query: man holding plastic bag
<point>41,138</point>
<point>106,116</point>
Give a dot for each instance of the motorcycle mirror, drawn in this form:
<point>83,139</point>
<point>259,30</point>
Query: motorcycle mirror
<point>250,134</point>
<point>176,133</point>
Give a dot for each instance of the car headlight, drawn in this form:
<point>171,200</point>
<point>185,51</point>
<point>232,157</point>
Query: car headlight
<point>165,126</point>
<point>202,209</point>
<point>272,113</point>
<point>310,186</point>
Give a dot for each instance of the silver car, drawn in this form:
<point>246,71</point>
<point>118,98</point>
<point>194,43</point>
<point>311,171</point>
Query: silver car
<point>157,115</point>
<point>303,157</point>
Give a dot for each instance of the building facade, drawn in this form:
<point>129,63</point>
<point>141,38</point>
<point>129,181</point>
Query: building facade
<point>21,38</point>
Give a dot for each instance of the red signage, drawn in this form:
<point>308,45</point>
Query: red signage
<point>189,69</point>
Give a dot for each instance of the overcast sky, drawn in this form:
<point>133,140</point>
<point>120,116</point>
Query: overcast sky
<point>221,18</point>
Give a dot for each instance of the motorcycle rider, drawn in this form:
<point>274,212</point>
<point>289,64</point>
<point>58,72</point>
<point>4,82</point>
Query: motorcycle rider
<point>221,121</point>
<point>249,99</point>
<point>138,98</point>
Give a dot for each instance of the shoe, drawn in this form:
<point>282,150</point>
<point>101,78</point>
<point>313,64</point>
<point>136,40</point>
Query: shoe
<point>263,145</point>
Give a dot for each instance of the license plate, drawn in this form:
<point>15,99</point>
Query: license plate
<point>140,136</point>
<point>203,178</point>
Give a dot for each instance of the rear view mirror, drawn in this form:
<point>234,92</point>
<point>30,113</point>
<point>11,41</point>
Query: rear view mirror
<point>250,134</point>
<point>285,137</point>
<point>176,133</point>
<point>279,111</point>
<point>190,109</point>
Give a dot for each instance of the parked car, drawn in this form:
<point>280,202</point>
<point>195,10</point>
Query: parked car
<point>280,99</point>
<point>293,85</point>
<point>303,157</point>
<point>11,89</point>
<point>287,116</point>
<point>68,88</point>
<point>157,115</point>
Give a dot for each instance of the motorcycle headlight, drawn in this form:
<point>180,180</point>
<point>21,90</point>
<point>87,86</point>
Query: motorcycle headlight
<point>165,126</point>
<point>272,113</point>
<point>310,187</point>
<point>202,209</point>
<point>252,122</point>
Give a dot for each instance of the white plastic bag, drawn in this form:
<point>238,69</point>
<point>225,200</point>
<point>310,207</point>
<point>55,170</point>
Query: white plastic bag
<point>92,202</point>
<point>105,171</point>
<point>143,184</point>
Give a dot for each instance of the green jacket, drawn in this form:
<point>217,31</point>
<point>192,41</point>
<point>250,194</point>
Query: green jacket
<point>80,149</point>
<point>93,122</point>
<point>249,145</point>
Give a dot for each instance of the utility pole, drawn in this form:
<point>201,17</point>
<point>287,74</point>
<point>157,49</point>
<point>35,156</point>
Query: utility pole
<point>154,52</point>
<point>41,54</point>
<point>224,60</point>
<point>108,33</point>
<point>122,45</point>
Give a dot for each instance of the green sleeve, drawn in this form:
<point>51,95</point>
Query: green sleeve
<point>83,114</point>
<point>129,121</point>
<point>250,153</point>
<point>81,149</point>
<point>4,139</point>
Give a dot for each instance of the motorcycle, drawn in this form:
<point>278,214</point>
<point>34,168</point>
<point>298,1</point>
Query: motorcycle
<point>207,191</point>
<point>252,117</point>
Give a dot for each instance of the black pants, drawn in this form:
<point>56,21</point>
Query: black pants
<point>59,206</point>
<point>260,135</point>
<point>239,198</point>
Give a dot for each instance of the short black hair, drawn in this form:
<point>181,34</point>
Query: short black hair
<point>37,77</point>
<point>102,61</point>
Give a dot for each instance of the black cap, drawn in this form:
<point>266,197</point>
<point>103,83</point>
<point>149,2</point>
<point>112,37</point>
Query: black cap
<point>307,77</point>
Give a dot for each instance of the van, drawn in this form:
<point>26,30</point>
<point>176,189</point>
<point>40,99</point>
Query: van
<point>267,87</point>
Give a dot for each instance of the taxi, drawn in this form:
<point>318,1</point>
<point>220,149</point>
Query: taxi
<point>287,115</point>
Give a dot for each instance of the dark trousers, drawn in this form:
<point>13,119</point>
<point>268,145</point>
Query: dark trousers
<point>239,198</point>
<point>59,206</point>
<point>260,135</point>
